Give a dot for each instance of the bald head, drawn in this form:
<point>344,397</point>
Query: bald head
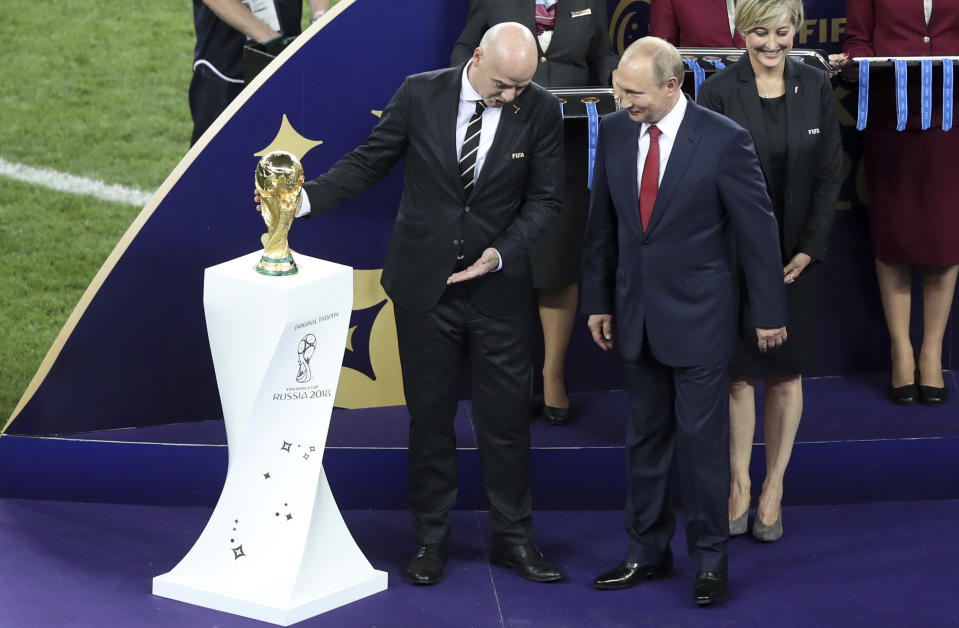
<point>512,46</point>
<point>503,64</point>
<point>649,79</point>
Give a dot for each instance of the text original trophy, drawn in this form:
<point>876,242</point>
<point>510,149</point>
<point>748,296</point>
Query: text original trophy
<point>276,547</point>
<point>278,179</point>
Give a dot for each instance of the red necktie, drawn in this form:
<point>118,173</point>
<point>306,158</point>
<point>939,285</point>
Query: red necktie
<point>649,184</point>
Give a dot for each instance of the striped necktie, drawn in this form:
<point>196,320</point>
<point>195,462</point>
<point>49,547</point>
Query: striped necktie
<point>471,146</point>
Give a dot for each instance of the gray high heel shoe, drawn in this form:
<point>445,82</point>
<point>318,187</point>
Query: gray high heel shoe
<point>770,533</point>
<point>740,524</point>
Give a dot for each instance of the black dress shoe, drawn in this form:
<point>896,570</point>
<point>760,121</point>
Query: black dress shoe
<point>556,416</point>
<point>710,586</point>
<point>626,574</point>
<point>527,560</point>
<point>427,566</point>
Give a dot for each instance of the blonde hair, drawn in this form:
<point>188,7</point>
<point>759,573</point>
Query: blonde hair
<point>753,14</point>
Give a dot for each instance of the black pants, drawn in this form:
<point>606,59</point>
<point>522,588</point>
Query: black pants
<point>209,96</point>
<point>433,346</point>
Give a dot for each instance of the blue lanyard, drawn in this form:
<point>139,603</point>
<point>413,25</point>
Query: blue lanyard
<point>926,108</point>
<point>717,63</point>
<point>863,112</point>
<point>593,138</point>
<point>902,105</point>
<point>699,74</point>
<point>947,87</point>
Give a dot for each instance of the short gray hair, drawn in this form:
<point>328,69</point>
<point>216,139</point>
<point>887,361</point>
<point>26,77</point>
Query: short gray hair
<point>665,60</point>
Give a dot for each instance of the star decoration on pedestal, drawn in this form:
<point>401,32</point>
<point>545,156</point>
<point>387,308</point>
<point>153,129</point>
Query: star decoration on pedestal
<point>266,476</point>
<point>290,140</point>
<point>238,551</point>
<point>286,446</point>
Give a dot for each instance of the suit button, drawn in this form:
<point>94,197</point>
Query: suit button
<point>926,39</point>
<point>456,242</point>
<point>466,209</point>
<point>542,59</point>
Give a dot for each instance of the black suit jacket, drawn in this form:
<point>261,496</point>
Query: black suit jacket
<point>814,145</point>
<point>675,281</point>
<point>512,203</point>
<point>580,53</point>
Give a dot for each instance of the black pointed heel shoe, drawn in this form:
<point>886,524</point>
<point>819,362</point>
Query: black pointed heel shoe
<point>932,395</point>
<point>905,395</point>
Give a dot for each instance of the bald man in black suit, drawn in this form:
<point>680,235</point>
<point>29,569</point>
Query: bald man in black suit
<point>458,273</point>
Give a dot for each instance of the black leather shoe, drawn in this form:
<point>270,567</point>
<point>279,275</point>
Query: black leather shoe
<point>527,560</point>
<point>427,566</point>
<point>710,586</point>
<point>626,574</point>
<point>556,416</point>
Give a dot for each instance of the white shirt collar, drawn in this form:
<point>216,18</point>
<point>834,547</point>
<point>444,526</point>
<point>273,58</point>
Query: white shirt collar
<point>669,125</point>
<point>467,93</point>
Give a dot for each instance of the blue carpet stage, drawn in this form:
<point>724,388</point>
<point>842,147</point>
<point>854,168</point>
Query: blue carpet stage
<point>90,566</point>
<point>872,505</point>
<point>853,446</point>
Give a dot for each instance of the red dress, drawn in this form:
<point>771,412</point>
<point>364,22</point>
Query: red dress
<point>693,23</point>
<point>913,214</point>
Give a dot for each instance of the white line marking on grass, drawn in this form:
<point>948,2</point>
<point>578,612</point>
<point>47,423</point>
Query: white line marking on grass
<point>63,182</point>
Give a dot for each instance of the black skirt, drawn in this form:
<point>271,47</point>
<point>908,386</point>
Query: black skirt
<point>798,354</point>
<point>557,259</point>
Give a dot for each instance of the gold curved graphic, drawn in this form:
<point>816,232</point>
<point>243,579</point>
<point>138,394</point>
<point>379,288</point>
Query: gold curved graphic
<point>131,233</point>
<point>357,390</point>
<point>621,20</point>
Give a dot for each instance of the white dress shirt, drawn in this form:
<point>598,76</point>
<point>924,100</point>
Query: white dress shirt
<point>927,10</point>
<point>468,98</point>
<point>669,126</point>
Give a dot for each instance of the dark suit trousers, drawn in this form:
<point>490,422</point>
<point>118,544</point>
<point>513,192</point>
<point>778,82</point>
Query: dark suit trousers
<point>683,411</point>
<point>433,346</point>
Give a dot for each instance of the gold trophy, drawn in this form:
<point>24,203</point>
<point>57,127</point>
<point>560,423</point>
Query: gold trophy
<point>279,177</point>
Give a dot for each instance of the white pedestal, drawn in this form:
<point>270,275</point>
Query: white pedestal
<point>276,547</point>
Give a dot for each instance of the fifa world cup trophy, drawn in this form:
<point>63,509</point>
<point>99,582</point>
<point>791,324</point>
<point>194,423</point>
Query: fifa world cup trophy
<point>279,177</point>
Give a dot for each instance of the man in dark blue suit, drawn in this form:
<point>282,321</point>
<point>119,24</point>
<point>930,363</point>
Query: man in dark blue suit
<point>677,192</point>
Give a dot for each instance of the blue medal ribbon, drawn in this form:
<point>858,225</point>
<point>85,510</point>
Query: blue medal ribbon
<point>902,105</point>
<point>926,110</point>
<point>699,74</point>
<point>718,64</point>
<point>562,113</point>
<point>947,87</point>
<point>593,117</point>
<point>863,112</point>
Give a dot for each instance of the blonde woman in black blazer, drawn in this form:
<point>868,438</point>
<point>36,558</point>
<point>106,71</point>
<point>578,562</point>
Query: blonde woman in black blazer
<point>789,109</point>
